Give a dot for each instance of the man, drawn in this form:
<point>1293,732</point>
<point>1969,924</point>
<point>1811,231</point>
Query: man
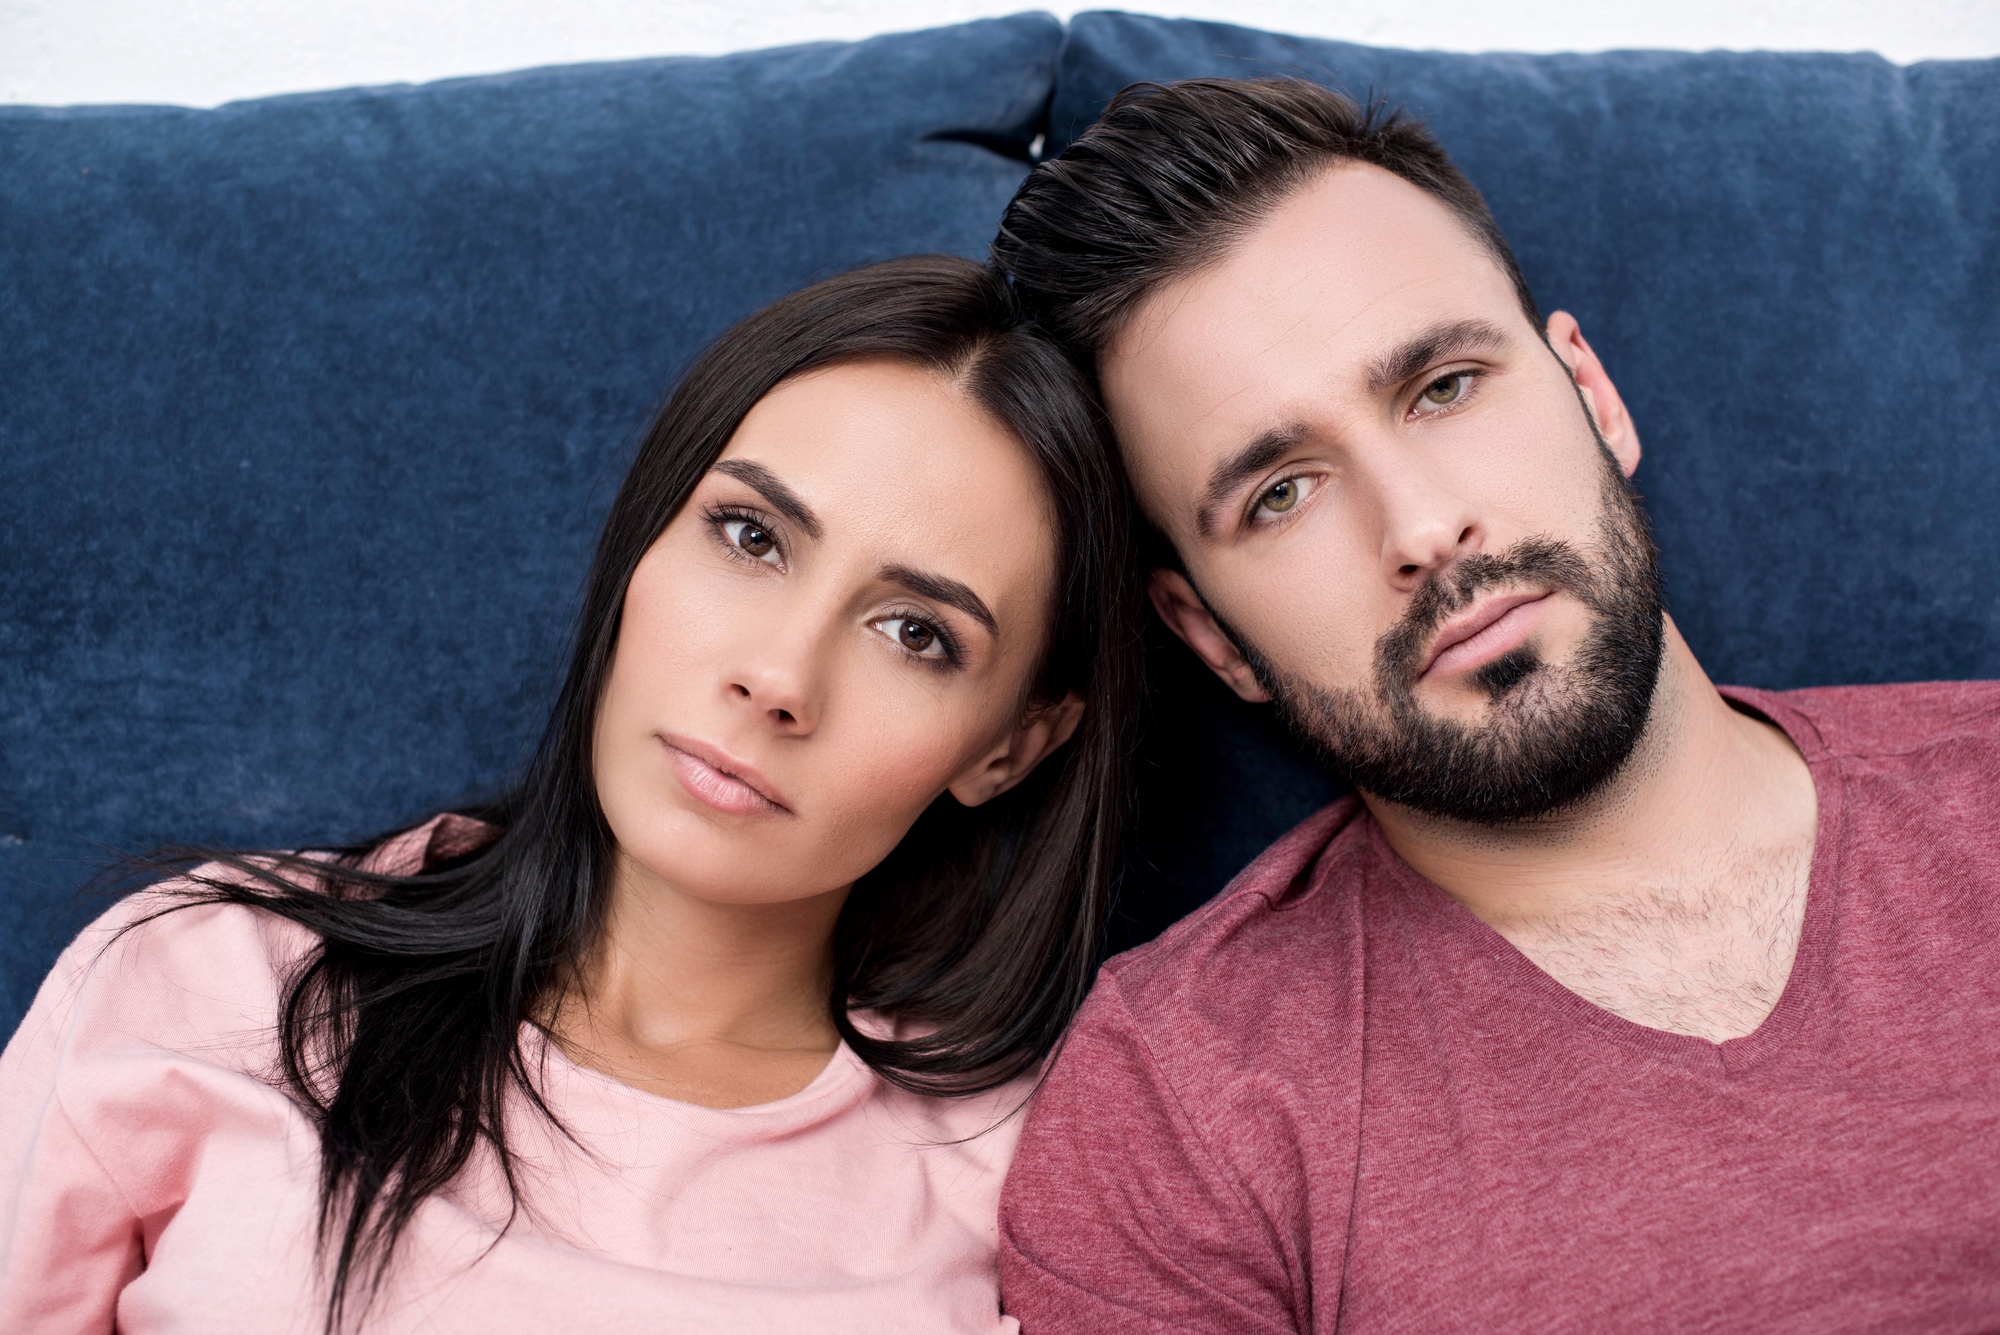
<point>1612,1001</point>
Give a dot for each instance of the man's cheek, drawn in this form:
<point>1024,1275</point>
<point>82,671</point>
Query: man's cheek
<point>1564,630</point>
<point>1333,652</point>
<point>1310,629</point>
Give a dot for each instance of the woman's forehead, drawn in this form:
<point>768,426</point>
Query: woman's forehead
<point>889,455</point>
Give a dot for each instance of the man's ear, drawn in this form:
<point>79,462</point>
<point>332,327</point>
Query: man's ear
<point>1188,616</point>
<point>1593,383</point>
<point>1041,730</point>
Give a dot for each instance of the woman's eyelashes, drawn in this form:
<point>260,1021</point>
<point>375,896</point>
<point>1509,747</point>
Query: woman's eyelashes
<point>921,637</point>
<point>1445,393</point>
<point>745,536</point>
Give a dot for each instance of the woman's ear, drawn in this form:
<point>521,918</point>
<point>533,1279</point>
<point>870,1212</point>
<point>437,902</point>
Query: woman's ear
<point>1041,730</point>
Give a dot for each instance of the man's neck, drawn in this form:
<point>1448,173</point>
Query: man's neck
<point>1674,896</point>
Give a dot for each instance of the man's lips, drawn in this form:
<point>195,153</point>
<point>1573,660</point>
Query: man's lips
<point>1485,631</point>
<point>713,776</point>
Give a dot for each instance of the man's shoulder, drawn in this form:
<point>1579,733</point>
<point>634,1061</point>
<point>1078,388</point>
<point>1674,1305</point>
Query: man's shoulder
<point>1289,914</point>
<point>1903,719</point>
<point>1205,1109</point>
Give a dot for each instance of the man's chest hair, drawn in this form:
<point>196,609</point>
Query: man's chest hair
<point>1704,952</point>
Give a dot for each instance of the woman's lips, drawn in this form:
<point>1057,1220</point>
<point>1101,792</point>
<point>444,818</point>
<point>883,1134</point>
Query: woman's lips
<point>1486,632</point>
<point>714,777</point>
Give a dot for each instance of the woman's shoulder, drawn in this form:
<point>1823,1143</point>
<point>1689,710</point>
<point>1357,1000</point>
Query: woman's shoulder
<point>977,1128</point>
<point>155,1032</point>
<point>162,968</point>
<point>167,966</point>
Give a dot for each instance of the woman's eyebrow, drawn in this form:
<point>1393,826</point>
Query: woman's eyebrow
<point>780,497</point>
<point>947,591</point>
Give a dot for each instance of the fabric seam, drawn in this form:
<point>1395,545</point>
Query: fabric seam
<point>1231,1175</point>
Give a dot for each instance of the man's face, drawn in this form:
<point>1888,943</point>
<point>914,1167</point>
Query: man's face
<point>1407,527</point>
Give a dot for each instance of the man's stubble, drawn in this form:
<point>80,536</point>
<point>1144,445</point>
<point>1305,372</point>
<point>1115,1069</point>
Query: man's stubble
<point>1554,733</point>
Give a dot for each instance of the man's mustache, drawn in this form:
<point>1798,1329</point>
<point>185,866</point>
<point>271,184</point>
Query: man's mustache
<point>1544,561</point>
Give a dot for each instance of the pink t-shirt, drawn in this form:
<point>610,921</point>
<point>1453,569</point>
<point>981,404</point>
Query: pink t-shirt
<point>1334,1100</point>
<point>153,1179</point>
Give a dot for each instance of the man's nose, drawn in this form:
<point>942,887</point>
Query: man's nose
<point>1426,524</point>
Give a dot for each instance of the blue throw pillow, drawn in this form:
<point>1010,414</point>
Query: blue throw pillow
<point>311,407</point>
<point>1790,265</point>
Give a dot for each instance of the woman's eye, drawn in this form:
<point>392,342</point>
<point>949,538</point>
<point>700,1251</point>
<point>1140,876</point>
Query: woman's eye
<point>1280,496</point>
<point>1444,391</point>
<point>752,539</point>
<point>919,638</point>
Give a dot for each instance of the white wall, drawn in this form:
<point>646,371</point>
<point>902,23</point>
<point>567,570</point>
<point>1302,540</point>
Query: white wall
<point>203,52</point>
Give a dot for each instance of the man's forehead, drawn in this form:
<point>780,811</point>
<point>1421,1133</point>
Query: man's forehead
<point>1306,304</point>
<point>1353,253</point>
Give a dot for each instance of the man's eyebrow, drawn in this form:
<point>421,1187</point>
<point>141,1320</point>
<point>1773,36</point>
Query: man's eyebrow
<point>781,497</point>
<point>947,591</point>
<point>1433,345</point>
<point>1238,468</point>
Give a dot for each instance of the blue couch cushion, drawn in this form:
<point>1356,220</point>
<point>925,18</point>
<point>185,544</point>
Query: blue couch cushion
<point>311,407</point>
<point>1791,266</point>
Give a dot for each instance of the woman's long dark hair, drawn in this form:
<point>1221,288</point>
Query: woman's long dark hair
<point>401,1031</point>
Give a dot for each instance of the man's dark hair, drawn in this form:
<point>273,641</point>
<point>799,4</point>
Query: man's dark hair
<point>1173,172</point>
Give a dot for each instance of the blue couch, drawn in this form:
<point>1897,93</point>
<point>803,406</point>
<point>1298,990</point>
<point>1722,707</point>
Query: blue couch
<point>309,406</point>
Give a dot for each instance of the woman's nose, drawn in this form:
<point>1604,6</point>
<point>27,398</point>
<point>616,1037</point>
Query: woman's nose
<point>779,681</point>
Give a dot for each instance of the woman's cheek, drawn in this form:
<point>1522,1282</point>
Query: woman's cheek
<point>881,791</point>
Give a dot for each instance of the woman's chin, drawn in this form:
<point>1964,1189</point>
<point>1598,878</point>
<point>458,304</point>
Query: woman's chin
<point>720,868</point>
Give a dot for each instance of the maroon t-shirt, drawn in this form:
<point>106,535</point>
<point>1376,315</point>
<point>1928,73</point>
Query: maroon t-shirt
<point>1334,1100</point>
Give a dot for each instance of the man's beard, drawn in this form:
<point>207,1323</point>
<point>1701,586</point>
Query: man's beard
<point>1555,733</point>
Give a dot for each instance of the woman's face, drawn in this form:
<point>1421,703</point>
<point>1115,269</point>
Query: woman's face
<point>837,628</point>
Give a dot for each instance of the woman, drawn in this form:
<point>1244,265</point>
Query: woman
<point>717,1020</point>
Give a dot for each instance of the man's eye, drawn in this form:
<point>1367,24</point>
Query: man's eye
<point>753,539</point>
<point>1444,391</point>
<point>1279,496</point>
<point>918,637</point>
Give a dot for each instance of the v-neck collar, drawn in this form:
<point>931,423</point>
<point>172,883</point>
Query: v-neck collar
<point>1810,963</point>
